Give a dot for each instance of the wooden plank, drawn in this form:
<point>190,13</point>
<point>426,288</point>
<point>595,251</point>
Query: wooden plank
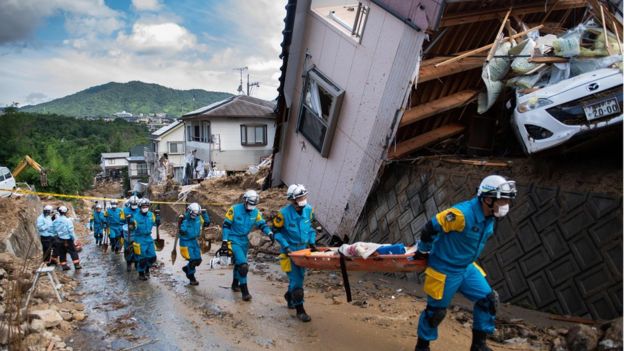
<point>425,139</point>
<point>500,30</point>
<point>483,48</point>
<point>488,15</point>
<point>426,110</point>
<point>549,59</point>
<point>604,31</point>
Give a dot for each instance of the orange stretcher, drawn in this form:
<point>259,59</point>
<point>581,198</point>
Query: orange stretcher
<point>324,259</point>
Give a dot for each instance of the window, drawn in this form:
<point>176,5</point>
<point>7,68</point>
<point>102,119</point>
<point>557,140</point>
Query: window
<point>142,169</point>
<point>198,131</point>
<point>348,15</point>
<point>176,147</point>
<point>111,161</point>
<point>189,133</point>
<point>252,135</point>
<point>320,107</point>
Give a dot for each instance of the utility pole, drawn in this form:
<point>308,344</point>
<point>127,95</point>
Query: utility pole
<point>249,85</point>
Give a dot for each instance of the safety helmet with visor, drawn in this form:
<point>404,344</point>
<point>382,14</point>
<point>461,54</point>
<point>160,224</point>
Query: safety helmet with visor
<point>251,199</point>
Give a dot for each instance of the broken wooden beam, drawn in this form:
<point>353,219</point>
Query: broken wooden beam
<point>428,70</point>
<point>428,138</point>
<point>431,108</point>
<point>483,48</point>
<point>549,59</point>
<point>488,15</point>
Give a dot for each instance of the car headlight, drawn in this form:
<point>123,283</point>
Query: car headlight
<point>533,103</point>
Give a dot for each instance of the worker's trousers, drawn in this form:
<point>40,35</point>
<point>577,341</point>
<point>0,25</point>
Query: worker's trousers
<point>189,249</point>
<point>64,247</point>
<point>145,253</point>
<point>472,284</point>
<point>115,236</point>
<point>240,246</point>
<point>47,246</point>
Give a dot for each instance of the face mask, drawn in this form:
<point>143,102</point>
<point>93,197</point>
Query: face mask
<point>250,207</point>
<point>302,203</point>
<point>193,215</point>
<point>134,207</point>
<point>113,206</point>
<point>144,210</point>
<point>502,211</point>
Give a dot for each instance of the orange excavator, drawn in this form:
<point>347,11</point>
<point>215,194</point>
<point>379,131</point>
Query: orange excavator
<point>28,161</point>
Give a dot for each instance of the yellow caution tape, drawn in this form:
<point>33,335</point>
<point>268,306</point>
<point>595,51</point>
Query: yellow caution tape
<point>39,193</point>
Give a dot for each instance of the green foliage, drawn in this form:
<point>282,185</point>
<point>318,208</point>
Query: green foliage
<point>68,148</point>
<point>134,97</point>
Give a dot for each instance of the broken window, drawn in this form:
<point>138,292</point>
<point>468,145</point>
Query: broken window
<point>319,111</point>
<point>253,135</point>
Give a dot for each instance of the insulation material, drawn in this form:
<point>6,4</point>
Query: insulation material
<point>493,90</point>
<point>526,82</point>
<point>568,47</point>
<point>498,66</point>
<point>600,47</point>
<point>521,64</point>
<point>559,72</point>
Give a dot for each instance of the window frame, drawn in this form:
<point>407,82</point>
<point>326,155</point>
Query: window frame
<point>244,133</point>
<point>180,149</point>
<point>334,111</point>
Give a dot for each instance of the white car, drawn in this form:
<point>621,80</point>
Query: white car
<point>572,109</point>
<point>7,182</point>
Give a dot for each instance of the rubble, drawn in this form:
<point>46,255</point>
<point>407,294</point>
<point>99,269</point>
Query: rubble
<point>582,338</point>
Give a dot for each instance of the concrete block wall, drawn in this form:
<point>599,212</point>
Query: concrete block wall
<point>558,250</point>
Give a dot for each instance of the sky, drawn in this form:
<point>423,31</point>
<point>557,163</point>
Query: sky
<point>53,48</point>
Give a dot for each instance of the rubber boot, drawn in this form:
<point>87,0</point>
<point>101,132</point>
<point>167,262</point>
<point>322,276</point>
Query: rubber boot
<point>185,270</point>
<point>478,341</point>
<point>128,266</point>
<point>301,314</point>
<point>235,286</point>
<point>142,276</point>
<point>65,267</point>
<point>245,292</point>
<point>147,272</point>
<point>422,345</point>
<point>289,300</point>
<point>193,280</point>
<point>77,266</point>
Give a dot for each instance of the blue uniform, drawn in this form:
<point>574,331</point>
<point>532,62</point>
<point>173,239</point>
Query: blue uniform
<point>98,224</point>
<point>238,223</point>
<point>46,235</point>
<point>190,230</point>
<point>128,235</point>
<point>63,227</point>
<point>294,230</point>
<point>462,231</point>
<point>115,219</point>
<point>143,244</point>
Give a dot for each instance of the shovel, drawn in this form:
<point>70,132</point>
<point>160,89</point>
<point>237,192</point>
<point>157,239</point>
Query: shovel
<point>105,241</point>
<point>160,243</point>
<point>174,252</point>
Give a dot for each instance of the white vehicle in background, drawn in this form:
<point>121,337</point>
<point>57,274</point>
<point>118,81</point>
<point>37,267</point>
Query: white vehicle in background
<point>7,182</point>
<point>575,108</point>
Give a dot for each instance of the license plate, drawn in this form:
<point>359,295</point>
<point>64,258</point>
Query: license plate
<point>601,109</point>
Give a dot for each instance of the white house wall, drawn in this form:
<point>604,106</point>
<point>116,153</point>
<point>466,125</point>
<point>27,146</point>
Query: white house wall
<point>175,135</point>
<point>365,72</point>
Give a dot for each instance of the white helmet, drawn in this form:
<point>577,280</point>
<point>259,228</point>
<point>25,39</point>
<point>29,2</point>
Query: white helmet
<point>133,200</point>
<point>296,191</point>
<point>47,208</point>
<point>98,206</point>
<point>114,202</point>
<point>251,197</point>
<point>497,187</point>
<point>194,208</point>
<point>144,202</point>
<point>62,209</point>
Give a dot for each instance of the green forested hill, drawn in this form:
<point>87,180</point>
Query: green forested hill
<point>69,148</point>
<point>134,97</point>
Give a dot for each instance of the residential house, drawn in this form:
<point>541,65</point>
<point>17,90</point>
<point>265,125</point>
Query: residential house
<point>167,140</point>
<point>231,134</point>
<point>348,68</point>
<point>137,168</point>
<point>113,163</point>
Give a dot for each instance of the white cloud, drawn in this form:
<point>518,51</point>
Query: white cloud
<point>146,5</point>
<point>159,38</point>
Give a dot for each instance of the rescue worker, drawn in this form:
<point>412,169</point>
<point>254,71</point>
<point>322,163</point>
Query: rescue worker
<point>130,211</point>
<point>115,220</point>
<point>64,228</point>
<point>194,220</point>
<point>240,220</point>
<point>143,244</point>
<point>46,234</point>
<point>294,231</point>
<point>452,241</point>
<point>97,224</point>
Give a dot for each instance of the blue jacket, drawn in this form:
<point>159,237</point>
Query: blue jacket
<point>44,226</point>
<point>144,223</point>
<point>64,228</point>
<point>115,217</point>
<point>294,229</point>
<point>239,222</point>
<point>191,227</point>
<point>98,219</point>
<point>463,231</point>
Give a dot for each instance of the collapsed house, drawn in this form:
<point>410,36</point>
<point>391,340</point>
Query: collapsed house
<point>369,85</point>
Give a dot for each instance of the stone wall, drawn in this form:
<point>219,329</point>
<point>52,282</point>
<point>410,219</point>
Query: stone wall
<point>559,250</point>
